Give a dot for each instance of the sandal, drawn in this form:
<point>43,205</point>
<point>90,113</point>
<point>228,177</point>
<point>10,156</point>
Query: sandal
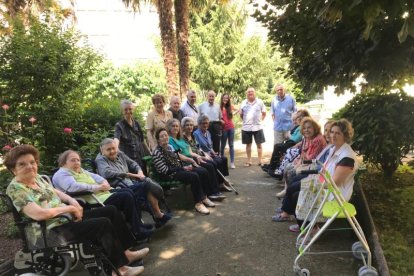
<point>294,228</point>
<point>247,164</point>
<point>280,218</point>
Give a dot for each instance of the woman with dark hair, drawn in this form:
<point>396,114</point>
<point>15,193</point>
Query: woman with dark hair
<point>167,164</point>
<point>36,199</point>
<point>228,110</point>
<point>205,170</point>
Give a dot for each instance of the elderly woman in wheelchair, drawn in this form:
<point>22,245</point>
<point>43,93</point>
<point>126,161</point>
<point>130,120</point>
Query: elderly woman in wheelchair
<point>37,200</point>
<point>71,178</point>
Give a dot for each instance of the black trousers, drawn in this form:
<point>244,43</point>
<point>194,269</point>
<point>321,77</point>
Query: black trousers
<point>124,201</point>
<point>221,164</point>
<point>213,179</point>
<point>216,132</point>
<point>105,226</point>
<point>278,151</point>
<point>194,179</point>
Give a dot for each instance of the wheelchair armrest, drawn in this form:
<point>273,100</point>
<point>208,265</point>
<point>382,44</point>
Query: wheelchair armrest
<point>118,182</point>
<point>80,193</point>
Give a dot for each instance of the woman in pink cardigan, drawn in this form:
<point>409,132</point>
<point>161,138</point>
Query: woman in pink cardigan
<point>312,144</point>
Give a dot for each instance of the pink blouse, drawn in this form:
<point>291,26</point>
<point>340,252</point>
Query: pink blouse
<point>228,123</point>
<point>311,148</point>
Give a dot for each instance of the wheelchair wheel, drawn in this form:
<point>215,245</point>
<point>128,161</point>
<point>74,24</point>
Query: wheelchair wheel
<point>56,264</point>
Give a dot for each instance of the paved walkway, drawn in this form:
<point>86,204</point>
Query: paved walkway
<point>238,237</point>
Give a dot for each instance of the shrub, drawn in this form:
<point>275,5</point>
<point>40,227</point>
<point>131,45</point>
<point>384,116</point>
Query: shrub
<point>383,124</point>
<point>44,73</point>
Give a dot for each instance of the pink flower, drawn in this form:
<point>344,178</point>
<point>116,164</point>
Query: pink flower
<point>5,107</point>
<point>32,120</point>
<point>67,130</point>
<point>7,148</point>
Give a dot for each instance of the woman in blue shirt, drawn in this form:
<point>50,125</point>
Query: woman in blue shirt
<point>203,138</point>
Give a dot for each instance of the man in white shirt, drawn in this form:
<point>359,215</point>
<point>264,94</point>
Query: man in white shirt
<point>189,108</point>
<point>252,111</point>
<point>213,112</point>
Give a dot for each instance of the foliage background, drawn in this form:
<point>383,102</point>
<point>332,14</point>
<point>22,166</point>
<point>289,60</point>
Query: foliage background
<point>389,118</point>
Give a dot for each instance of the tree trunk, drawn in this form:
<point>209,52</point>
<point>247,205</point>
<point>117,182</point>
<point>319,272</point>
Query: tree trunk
<point>168,44</point>
<point>182,33</point>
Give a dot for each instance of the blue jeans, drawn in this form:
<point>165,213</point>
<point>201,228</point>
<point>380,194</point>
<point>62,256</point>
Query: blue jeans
<point>228,134</point>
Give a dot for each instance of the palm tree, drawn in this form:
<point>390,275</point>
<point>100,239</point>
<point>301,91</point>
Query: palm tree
<point>168,42</point>
<point>26,10</point>
<point>181,8</point>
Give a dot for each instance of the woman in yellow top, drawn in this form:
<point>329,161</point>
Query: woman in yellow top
<point>156,119</point>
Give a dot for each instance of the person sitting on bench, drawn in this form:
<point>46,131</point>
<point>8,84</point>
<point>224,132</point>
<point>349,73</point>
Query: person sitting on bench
<point>115,166</point>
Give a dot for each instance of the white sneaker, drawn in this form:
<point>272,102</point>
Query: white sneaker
<point>201,208</point>
<point>232,166</point>
<point>207,202</point>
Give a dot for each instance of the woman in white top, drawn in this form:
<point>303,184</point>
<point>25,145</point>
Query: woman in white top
<point>341,164</point>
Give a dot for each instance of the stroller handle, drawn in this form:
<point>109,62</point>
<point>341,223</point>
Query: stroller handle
<point>309,172</point>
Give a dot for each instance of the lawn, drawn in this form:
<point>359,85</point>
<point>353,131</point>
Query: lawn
<point>391,201</point>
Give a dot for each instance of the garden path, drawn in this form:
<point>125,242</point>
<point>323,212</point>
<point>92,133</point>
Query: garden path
<point>238,237</point>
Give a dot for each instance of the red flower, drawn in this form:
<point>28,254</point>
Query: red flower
<point>32,120</point>
<point>7,148</point>
<point>5,107</point>
<point>67,130</point>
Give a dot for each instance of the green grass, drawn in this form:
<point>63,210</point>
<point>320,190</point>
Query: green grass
<point>391,201</point>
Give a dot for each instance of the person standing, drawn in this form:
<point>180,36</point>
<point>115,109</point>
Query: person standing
<point>227,110</point>
<point>156,119</point>
<point>130,137</point>
<point>252,112</point>
<point>175,103</point>
<point>189,108</point>
<point>213,112</point>
<point>282,108</point>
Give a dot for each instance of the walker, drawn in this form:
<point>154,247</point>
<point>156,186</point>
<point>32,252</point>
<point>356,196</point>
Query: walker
<point>328,211</point>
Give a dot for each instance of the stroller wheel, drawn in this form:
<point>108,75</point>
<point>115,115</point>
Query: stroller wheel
<point>359,251</point>
<point>367,271</point>
<point>304,272</point>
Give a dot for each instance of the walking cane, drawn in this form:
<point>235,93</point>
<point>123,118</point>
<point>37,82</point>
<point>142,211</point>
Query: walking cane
<point>228,182</point>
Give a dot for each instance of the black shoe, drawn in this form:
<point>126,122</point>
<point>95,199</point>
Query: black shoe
<point>277,176</point>
<point>147,226</point>
<point>265,167</point>
<point>143,234</point>
<point>163,220</point>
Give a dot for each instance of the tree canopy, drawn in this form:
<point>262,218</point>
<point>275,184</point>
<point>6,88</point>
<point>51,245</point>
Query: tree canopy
<point>224,60</point>
<point>334,42</point>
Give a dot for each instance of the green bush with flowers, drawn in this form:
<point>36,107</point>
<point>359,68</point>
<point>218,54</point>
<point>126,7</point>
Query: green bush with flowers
<point>57,93</point>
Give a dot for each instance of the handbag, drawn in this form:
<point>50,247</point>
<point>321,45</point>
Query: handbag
<point>308,194</point>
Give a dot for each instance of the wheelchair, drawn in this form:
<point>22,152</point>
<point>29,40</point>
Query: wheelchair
<point>50,254</point>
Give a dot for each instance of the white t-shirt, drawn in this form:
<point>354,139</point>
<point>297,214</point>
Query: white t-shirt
<point>252,114</point>
<point>331,162</point>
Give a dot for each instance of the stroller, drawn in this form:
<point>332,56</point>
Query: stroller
<point>316,192</point>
